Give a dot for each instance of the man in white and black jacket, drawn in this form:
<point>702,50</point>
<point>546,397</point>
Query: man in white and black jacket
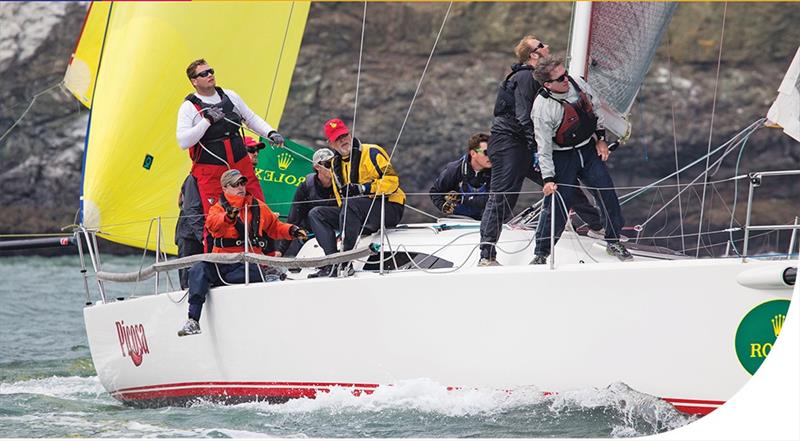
<point>570,137</point>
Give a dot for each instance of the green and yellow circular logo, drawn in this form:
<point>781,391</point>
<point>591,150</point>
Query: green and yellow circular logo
<point>757,333</point>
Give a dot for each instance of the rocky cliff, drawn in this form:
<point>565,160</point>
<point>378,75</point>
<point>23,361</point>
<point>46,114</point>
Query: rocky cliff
<point>41,156</point>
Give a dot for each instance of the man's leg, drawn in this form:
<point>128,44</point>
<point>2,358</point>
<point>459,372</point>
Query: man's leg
<point>358,211</point>
<point>566,165</point>
<point>510,160</point>
<point>595,174</point>
<point>201,276</point>
<point>324,221</point>
<point>187,247</point>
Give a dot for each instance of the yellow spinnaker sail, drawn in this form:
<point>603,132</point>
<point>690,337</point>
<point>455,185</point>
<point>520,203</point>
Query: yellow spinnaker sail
<point>133,166</point>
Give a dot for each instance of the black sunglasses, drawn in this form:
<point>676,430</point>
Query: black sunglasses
<point>204,73</point>
<point>326,164</point>
<point>559,79</point>
<point>538,46</point>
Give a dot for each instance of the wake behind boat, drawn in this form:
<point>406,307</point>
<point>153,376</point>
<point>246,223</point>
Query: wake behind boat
<point>690,331</point>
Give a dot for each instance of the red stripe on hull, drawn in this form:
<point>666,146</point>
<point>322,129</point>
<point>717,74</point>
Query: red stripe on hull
<point>231,391</point>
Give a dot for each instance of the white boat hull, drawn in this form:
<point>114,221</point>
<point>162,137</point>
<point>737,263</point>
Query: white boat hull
<point>665,328</point>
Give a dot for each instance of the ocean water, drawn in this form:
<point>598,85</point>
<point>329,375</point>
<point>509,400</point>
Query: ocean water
<point>48,387</point>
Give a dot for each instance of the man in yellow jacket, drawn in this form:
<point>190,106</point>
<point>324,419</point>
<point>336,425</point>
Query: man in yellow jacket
<point>360,173</point>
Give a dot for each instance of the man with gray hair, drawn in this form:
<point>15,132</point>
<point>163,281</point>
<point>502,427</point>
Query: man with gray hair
<point>571,138</point>
<point>315,191</point>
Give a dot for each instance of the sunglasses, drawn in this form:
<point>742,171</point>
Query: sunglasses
<point>559,79</point>
<point>326,164</point>
<point>239,183</point>
<point>204,73</point>
<point>481,151</point>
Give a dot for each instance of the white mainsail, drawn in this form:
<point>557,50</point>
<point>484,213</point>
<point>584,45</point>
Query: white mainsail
<point>612,45</point>
<point>785,111</point>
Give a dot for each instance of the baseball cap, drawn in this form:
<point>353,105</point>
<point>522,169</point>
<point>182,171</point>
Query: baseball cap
<point>252,145</point>
<point>335,128</point>
<point>321,155</point>
<point>231,176</point>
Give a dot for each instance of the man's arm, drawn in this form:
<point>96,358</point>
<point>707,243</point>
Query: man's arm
<point>524,95</point>
<point>251,120</point>
<point>446,181</point>
<point>191,125</point>
<point>271,226</point>
<point>387,181</point>
<point>545,116</point>
<point>217,222</point>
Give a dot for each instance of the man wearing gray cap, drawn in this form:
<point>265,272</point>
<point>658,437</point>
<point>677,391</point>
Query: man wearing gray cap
<point>315,192</point>
<point>226,223</point>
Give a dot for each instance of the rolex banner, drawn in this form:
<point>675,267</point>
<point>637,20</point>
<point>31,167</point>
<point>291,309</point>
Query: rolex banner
<point>281,171</point>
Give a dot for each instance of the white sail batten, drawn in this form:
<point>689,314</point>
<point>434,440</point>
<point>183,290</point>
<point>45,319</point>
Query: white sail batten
<point>785,111</point>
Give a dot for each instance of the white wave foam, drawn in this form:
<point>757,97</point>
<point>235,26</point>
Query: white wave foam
<point>423,395</point>
<point>59,387</point>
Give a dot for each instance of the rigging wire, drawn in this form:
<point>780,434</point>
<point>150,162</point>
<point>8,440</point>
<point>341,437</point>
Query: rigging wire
<point>280,57</point>
<point>711,128</point>
<point>27,109</point>
<point>675,136</point>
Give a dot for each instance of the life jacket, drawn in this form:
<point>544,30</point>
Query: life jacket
<point>469,191</point>
<point>505,103</point>
<point>216,135</point>
<point>579,121</point>
<point>254,228</point>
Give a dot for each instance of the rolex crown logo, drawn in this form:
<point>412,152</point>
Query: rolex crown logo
<point>777,324</point>
<point>284,160</point>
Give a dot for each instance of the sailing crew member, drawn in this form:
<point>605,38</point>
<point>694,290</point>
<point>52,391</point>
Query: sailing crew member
<point>572,146</point>
<point>316,191</point>
<point>209,124</point>
<point>512,148</point>
<point>360,173</point>
<point>253,147</point>
<point>190,224</point>
<point>462,186</point>
<point>225,221</point>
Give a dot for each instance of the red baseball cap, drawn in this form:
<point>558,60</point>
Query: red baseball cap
<point>334,128</point>
<point>252,145</point>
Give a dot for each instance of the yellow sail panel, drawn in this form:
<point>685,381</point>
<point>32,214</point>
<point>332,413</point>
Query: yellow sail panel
<point>134,167</point>
<point>82,69</point>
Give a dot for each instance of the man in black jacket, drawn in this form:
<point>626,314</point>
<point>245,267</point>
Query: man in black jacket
<point>315,191</point>
<point>190,225</point>
<point>512,147</point>
<point>462,186</point>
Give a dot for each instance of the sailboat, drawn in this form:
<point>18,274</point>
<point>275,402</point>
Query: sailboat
<point>689,331</point>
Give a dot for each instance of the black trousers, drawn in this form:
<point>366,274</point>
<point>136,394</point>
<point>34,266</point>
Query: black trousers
<point>187,247</point>
<point>512,162</point>
<point>325,221</point>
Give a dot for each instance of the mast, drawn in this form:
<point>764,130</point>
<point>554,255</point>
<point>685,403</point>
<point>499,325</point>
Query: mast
<point>579,39</point>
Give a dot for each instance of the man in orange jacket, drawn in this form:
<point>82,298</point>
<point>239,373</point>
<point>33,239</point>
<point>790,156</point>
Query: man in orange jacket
<point>226,223</point>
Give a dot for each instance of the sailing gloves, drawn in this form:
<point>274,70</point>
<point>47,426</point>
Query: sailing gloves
<point>214,114</point>
<point>351,190</point>
<point>275,138</point>
<point>451,199</point>
<point>298,233</point>
<point>232,213</point>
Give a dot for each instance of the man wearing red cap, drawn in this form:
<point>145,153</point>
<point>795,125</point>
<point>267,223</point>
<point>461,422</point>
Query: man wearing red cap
<point>360,173</point>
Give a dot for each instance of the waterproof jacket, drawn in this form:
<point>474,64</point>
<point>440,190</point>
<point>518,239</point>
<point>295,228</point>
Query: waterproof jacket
<point>374,172</point>
<point>514,118</point>
<point>221,227</point>
<point>190,220</point>
<point>473,186</point>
